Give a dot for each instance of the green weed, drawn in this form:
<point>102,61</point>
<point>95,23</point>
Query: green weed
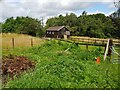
<point>66,65</point>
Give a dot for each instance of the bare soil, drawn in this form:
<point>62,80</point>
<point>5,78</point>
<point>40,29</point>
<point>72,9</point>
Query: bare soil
<point>14,66</point>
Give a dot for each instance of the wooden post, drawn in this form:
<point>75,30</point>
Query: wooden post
<point>106,50</point>
<point>13,43</point>
<point>110,45</point>
<point>103,42</point>
<point>83,40</point>
<point>78,40</point>
<point>87,46</point>
<point>95,41</point>
<point>32,42</point>
<point>65,37</point>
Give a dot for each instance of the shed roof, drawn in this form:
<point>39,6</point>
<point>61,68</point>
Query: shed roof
<point>56,28</point>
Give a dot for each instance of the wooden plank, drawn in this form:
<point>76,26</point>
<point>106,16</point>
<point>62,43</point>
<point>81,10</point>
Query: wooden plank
<point>106,49</point>
<point>94,40</point>
<point>103,42</point>
<point>32,42</point>
<point>87,46</point>
<point>13,42</point>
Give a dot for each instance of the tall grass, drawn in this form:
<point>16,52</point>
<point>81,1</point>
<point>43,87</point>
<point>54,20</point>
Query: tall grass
<point>20,40</point>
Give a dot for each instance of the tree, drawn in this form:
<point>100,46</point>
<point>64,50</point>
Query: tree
<point>96,25</point>
<point>84,13</point>
<point>117,5</point>
<point>23,25</point>
<point>9,25</point>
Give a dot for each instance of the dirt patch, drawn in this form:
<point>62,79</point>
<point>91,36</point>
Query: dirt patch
<point>14,66</point>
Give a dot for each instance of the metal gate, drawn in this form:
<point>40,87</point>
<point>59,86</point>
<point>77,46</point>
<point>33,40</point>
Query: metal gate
<point>115,54</point>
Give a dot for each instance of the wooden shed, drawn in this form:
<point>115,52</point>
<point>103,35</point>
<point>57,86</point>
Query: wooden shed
<point>57,32</point>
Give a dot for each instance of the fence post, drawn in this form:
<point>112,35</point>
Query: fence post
<point>32,42</point>
<point>106,49</point>
<point>95,41</point>
<point>110,45</point>
<point>13,42</point>
<point>87,46</point>
<point>83,40</point>
<point>103,42</point>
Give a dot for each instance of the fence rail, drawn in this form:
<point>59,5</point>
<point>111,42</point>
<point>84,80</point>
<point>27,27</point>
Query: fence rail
<point>94,40</point>
<point>20,42</point>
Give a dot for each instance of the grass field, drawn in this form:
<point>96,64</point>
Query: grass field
<point>20,40</point>
<point>65,65</point>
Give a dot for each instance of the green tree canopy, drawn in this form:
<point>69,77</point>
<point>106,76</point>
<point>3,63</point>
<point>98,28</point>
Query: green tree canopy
<point>96,25</point>
<point>23,25</point>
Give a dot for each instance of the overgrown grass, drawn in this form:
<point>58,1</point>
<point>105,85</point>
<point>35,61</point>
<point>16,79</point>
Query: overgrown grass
<point>65,65</point>
<point>20,40</point>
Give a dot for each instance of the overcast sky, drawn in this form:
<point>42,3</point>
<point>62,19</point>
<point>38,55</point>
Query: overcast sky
<point>50,8</point>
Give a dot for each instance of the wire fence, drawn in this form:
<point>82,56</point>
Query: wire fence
<point>115,55</point>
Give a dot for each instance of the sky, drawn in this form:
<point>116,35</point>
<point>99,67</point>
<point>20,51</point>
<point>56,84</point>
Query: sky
<point>50,8</point>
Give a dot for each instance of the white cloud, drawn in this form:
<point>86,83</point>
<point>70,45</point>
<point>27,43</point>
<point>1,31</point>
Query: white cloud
<point>106,14</point>
<point>58,1</point>
<point>0,12</point>
<point>111,6</point>
<point>37,8</point>
<point>42,8</point>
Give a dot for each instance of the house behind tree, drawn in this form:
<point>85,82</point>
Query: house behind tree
<point>57,32</point>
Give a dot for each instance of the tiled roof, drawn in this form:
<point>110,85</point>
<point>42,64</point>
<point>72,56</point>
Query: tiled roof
<point>56,28</point>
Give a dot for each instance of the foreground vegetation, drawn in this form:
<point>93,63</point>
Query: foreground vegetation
<point>61,64</point>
